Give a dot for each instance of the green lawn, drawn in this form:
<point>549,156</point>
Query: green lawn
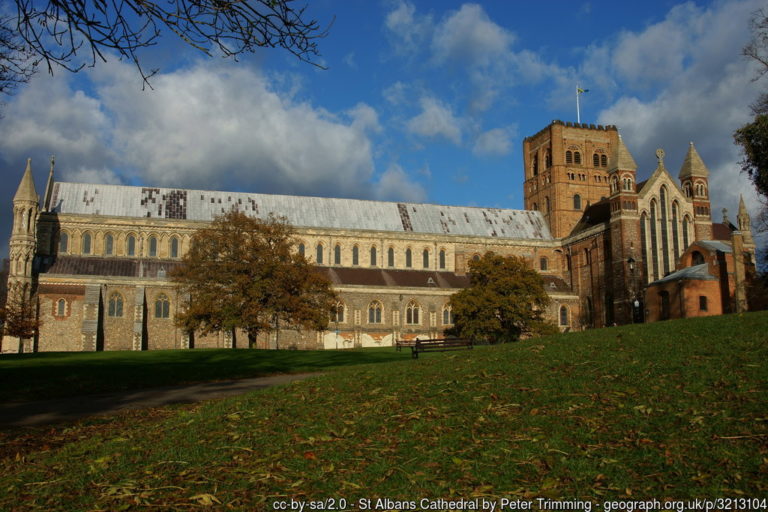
<point>672,410</point>
<point>53,375</point>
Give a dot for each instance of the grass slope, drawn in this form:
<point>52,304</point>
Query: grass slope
<point>673,410</point>
<point>26,377</point>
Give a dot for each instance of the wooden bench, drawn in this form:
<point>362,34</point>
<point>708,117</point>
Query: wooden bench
<point>435,345</point>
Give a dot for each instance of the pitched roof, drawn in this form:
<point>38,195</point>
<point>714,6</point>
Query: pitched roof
<point>301,211</point>
<point>722,231</point>
<point>715,245</point>
<point>622,158</point>
<point>595,214</point>
<point>696,272</point>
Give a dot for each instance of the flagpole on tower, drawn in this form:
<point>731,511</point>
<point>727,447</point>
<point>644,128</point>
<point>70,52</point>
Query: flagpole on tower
<point>578,113</point>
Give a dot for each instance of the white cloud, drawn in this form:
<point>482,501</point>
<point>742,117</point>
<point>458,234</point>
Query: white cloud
<point>469,36</point>
<point>704,98</point>
<point>89,175</point>
<point>364,118</point>
<point>395,184</point>
<point>494,142</point>
<point>406,29</point>
<point>435,120</point>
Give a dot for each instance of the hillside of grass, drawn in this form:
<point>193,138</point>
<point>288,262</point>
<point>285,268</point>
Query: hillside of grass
<point>674,410</point>
<point>25,377</point>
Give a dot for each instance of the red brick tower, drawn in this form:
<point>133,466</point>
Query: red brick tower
<point>694,178</point>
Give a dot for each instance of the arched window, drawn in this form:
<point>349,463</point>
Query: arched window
<point>355,255</point>
<point>175,247</point>
<point>373,256</point>
<point>131,245</point>
<point>301,249</point>
<point>577,202</point>
<point>546,202</point>
<point>109,243</point>
<point>447,315</point>
<point>337,255</point>
<point>374,312</point>
<point>576,157</point>
<point>412,311</point>
<point>63,242</point>
<point>595,160</point>
<point>152,246</point>
<point>614,184</point>
<point>535,206</point>
<point>162,306</point>
<point>643,237</point>
<point>442,258</point>
<point>425,258</point>
<point>603,161</point>
<point>569,157</point>
<point>61,307</point>
<point>675,231</point>
<point>664,230</point>
<point>115,309</point>
<point>687,189</point>
<point>86,243</point>
<point>543,263</point>
<point>337,313</point>
<point>686,222</point>
<point>408,258</point>
<point>654,243</point>
<point>536,164</point>
<point>390,257</point>
<point>548,158</point>
<point>319,254</point>
<point>563,315</point>
<point>697,258</point>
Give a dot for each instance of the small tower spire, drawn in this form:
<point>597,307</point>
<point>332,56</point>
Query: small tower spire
<point>49,187</point>
<point>744,222</point>
<point>693,165</point>
<point>622,158</point>
<point>26,190</point>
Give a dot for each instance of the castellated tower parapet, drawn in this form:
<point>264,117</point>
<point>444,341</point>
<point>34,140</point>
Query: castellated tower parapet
<point>566,169</point>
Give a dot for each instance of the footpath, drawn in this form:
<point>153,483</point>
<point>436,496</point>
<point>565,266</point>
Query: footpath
<point>67,409</point>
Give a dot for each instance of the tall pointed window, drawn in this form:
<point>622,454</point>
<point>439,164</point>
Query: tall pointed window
<point>109,243</point>
<point>374,312</point>
<point>87,243</point>
<point>577,202</point>
<point>563,315</point>
<point>61,307</point>
<point>675,231</point>
<point>643,238</point>
<point>355,255</point>
<point>603,161</point>
<point>319,254</point>
<point>162,306</point>
<point>412,312</point>
<point>576,157</point>
<point>447,315</point>
<point>63,242</point>
<point>174,247</point>
<point>301,249</point>
<point>569,157</point>
<point>425,258</point>
<point>337,255</point>
<point>152,246</point>
<point>543,263</point>
<point>131,245</point>
<point>373,256</point>
<point>664,230</point>
<point>654,243</point>
<point>442,259</point>
<point>685,232</point>
<point>408,258</point>
<point>337,313</point>
<point>595,160</point>
<point>390,257</point>
<point>115,309</point>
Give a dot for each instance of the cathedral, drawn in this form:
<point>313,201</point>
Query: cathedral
<point>94,260</point>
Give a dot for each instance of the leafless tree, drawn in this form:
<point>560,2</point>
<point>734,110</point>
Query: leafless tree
<point>17,61</point>
<point>76,33</point>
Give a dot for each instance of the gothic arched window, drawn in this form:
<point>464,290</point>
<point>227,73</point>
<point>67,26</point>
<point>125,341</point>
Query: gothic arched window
<point>374,312</point>
<point>152,246</point>
<point>447,315</point>
<point>61,307</point>
<point>408,258</point>
<point>301,249</point>
<point>63,242</point>
<point>115,308</point>
<point>86,243</point>
<point>131,245</point>
<point>412,311</point>
<point>175,247</point>
<point>563,315</point>
<point>337,255</point>
<point>373,256</point>
<point>162,306</point>
<point>442,258</point>
<point>390,257</point>
<point>577,202</point>
<point>425,258</point>
<point>109,243</point>
<point>543,263</point>
<point>337,313</point>
<point>319,254</point>
<point>355,255</point>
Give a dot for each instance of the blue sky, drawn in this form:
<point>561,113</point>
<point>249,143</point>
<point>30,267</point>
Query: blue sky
<point>421,101</point>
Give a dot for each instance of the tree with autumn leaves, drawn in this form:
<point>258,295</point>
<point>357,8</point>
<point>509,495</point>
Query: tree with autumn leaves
<point>505,300</point>
<point>244,273</point>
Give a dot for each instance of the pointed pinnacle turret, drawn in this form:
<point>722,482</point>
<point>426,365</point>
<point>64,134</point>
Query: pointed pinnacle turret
<point>622,158</point>
<point>742,206</point>
<point>693,165</point>
<point>26,190</point>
